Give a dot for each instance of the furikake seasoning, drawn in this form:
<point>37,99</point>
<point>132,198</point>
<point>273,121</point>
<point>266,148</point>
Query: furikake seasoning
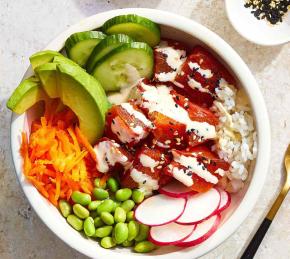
<point>271,10</point>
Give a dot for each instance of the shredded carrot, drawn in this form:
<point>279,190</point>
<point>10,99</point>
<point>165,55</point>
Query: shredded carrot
<point>57,159</point>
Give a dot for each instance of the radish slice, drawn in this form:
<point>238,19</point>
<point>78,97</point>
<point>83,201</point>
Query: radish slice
<point>225,201</point>
<point>170,234</point>
<point>160,210</point>
<point>176,189</point>
<point>200,207</point>
<point>202,231</point>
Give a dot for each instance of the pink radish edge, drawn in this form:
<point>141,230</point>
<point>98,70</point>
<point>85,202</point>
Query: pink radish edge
<point>172,220</point>
<point>175,194</point>
<point>216,211</point>
<point>227,204</point>
<point>158,243</point>
<point>204,237</point>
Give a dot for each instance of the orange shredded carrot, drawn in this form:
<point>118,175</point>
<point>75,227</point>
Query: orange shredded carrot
<point>57,158</point>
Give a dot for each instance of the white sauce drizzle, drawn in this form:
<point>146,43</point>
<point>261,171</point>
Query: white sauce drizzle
<point>146,183</point>
<point>220,172</point>
<point>179,175</point>
<point>196,167</point>
<point>196,85</point>
<point>160,100</point>
<point>147,161</point>
<point>123,135</point>
<point>206,73</point>
<point>107,154</point>
<point>165,77</point>
<point>174,57</point>
<point>138,115</point>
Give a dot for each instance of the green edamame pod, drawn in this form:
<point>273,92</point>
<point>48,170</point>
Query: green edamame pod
<point>75,222</point>
<point>130,216</point>
<point>80,211</point>
<point>123,194</point>
<point>100,194</point>
<point>81,198</point>
<point>98,222</point>
<point>107,218</point>
<point>103,231</point>
<point>108,242</point>
<point>128,205</point>
<point>105,206</point>
<point>65,208</point>
<point>113,184</point>
<point>137,196</point>
<point>128,243</point>
<point>120,232</point>
<point>89,227</point>
<point>98,184</point>
<point>144,247</point>
<point>120,215</point>
<point>94,205</point>
<point>143,233</point>
<point>133,230</point>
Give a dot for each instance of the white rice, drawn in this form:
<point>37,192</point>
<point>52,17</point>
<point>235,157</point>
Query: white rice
<point>237,138</point>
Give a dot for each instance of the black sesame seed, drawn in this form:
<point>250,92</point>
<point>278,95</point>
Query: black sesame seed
<point>176,105</point>
<point>144,181</point>
<point>113,121</point>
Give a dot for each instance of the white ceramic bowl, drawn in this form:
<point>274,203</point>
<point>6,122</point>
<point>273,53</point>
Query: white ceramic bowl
<point>258,31</point>
<point>179,28</point>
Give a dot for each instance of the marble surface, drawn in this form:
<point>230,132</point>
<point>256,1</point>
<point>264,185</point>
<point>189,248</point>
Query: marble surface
<point>27,26</point>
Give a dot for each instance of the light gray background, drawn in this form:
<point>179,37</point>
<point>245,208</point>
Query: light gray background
<point>27,26</point>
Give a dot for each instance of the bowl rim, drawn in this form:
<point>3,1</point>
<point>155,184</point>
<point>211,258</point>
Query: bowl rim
<point>242,72</point>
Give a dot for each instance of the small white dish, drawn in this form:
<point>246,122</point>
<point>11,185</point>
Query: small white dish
<point>179,28</point>
<point>258,31</point>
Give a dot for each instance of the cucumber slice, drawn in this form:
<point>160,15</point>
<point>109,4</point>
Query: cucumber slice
<point>105,46</point>
<point>80,45</point>
<point>137,27</point>
<point>124,65</point>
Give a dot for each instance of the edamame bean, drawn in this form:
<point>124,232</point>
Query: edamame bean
<point>108,242</point>
<point>120,232</point>
<point>113,184</point>
<point>94,204</point>
<point>89,227</point>
<point>106,205</point>
<point>98,184</point>
<point>81,198</point>
<point>128,205</point>
<point>75,222</point>
<point>137,196</point>
<point>144,247</point>
<point>128,243</point>
<point>130,216</point>
<point>123,194</point>
<point>120,215</point>
<point>107,218</point>
<point>100,194</point>
<point>143,233</point>
<point>65,208</point>
<point>80,211</point>
<point>94,214</point>
<point>98,222</point>
<point>103,231</point>
<point>116,205</point>
<point>133,230</point>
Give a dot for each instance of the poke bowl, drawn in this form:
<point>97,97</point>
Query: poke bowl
<point>239,175</point>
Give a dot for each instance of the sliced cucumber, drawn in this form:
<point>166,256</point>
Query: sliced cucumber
<point>105,46</point>
<point>25,95</point>
<point>124,65</point>
<point>80,45</point>
<point>137,27</point>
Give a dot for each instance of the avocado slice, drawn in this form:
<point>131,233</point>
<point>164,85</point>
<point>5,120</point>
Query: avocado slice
<point>42,57</point>
<point>78,90</point>
<point>26,95</point>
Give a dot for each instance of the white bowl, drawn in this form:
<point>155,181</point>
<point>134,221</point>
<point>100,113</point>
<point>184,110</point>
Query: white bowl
<point>179,28</point>
<point>258,31</point>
